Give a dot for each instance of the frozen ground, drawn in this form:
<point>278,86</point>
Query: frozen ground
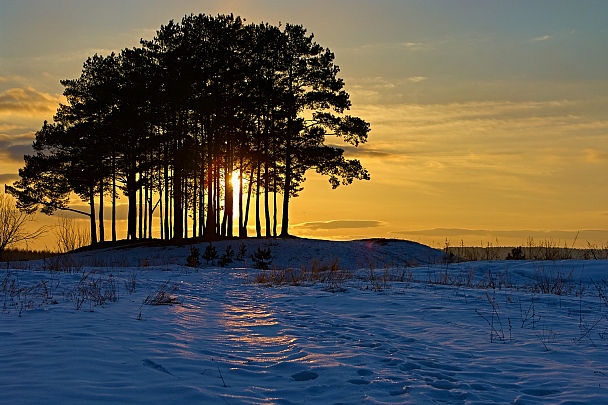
<point>73,331</point>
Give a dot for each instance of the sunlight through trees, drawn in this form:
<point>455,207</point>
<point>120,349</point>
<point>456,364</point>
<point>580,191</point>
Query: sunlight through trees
<point>169,124</point>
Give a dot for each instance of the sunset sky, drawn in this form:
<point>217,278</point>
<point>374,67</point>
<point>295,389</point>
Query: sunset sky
<point>489,118</point>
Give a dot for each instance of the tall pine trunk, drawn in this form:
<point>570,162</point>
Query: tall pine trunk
<point>132,197</point>
<point>287,188</point>
<point>140,211</point>
<point>201,204</point>
<point>92,215</point>
<point>167,194</point>
<point>267,200</point>
<point>178,230</point>
<point>113,197</point>
<point>274,206</point>
<point>229,190</point>
<point>210,228</point>
<point>217,199</point>
<point>258,223</point>
<point>178,204</point>
<point>101,219</point>
<point>248,205</point>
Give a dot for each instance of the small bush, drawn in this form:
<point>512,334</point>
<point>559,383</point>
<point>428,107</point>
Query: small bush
<point>242,253</point>
<point>194,259</point>
<point>210,254</point>
<point>516,254</point>
<point>227,257</point>
<point>262,258</point>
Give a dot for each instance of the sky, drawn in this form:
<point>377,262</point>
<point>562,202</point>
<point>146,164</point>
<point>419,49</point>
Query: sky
<point>489,118</point>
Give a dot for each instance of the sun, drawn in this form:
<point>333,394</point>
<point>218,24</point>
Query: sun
<point>234,180</point>
<point>236,188</point>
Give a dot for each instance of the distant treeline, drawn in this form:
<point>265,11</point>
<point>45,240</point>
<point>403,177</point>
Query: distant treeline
<point>169,123</point>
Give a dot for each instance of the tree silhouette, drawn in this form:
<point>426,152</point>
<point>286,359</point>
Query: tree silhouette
<point>310,82</point>
<point>172,121</point>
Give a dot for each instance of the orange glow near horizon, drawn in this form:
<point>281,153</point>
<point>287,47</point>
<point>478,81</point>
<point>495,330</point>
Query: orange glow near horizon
<point>488,119</point>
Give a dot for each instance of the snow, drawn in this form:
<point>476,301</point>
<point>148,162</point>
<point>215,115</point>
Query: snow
<point>392,332</point>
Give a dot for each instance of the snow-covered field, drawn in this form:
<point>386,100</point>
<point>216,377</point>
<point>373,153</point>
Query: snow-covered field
<point>83,328</point>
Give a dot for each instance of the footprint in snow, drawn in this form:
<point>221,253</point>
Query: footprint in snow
<point>358,381</point>
<point>156,366</point>
<point>305,376</point>
<point>540,392</point>
<point>395,393</point>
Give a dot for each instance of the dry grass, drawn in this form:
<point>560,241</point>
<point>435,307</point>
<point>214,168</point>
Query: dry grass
<point>329,274</point>
<point>165,295</point>
<point>547,249</point>
<point>334,277</point>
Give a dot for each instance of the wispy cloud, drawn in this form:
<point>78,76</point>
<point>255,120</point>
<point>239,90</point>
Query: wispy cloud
<point>27,101</point>
<point>593,155</point>
<point>418,46</point>
<point>338,224</point>
<point>541,38</point>
<point>16,152</point>
<point>514,153</point>
<point>8,178</point>
<point>5,128</point>
<point>413,46</point>
<point>364,151</point>
<point>381,90</point>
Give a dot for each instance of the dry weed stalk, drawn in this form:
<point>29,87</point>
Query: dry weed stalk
<point>164,295</point>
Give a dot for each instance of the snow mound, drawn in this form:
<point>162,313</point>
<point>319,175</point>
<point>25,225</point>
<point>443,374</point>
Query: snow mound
<point>285,253</point>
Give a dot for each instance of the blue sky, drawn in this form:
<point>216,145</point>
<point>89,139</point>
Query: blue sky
<point>487,115</point>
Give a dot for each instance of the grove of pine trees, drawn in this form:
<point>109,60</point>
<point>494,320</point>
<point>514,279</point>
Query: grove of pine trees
<point>168,123</point>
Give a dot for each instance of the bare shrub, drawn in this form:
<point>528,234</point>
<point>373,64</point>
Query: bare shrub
<point>70,235</point>
<point>131,283</point>
<point>19,298</point>
<point>163,296</point>
<point>553,280</point>
<point>529,317</point>
<point>463,253</point>
<point>95,289</point>
<point>494,320</point>
<point>587,327</point>
<point>595,252</point>
<point>546,336</point>
<point>329,274</point>
<point>15,295</point>
<point>14,224</point>
<point>491,252</point>
<point>549,249</point>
